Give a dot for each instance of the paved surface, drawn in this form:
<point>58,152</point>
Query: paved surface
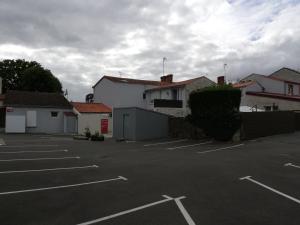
<point>58,181</point>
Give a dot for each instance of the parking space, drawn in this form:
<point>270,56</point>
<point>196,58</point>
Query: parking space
<point>59,181</point>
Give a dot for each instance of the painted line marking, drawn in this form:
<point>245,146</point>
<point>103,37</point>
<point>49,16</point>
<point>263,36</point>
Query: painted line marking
<point>292,165</point>
<point>185,214</point>
<point>271,189</point>
<point>186,146</point>
<point>165,143</point>
<point>220,149</point>
<point>26,146</point>
<point>60,187</point>
<point>166,199</point>
<point>54,169</point>
<point>16,152</point>
<point>37,159</point>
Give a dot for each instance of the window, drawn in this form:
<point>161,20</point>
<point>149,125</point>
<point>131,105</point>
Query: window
<point>144,95</point>
<point>54,114</point>
<point>290,89</point>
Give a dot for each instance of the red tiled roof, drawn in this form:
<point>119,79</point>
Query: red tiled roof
<point>69,114</point>
<point>130,81</point>
<point>83,107</point>
<point>295,98</point>
<point>243,84</point>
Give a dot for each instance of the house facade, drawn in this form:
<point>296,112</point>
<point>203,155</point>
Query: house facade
<point>38,112</point>
<point>96,117</point>
<point>165,96</point>
<point>270,93</point>
<point>173,98</point>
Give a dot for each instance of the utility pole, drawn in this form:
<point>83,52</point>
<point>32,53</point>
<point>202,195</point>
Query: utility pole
<point>164,59</point>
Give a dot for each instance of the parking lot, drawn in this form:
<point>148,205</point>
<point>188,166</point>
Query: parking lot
<point>55,180</point>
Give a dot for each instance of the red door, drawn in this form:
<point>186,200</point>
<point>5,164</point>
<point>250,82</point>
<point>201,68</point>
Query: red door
<point>104,126</point>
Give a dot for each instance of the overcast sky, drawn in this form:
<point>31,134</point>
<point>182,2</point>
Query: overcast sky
<point>81,40</point>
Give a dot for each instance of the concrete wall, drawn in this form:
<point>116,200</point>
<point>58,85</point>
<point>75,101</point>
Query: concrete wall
<point>45,123</point>
<point>141,124</point>
<point>93,122</point>
<point>250,100</point>
<point>116,95</point>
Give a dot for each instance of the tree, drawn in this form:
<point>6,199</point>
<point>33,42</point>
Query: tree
<point>16,76</point>
<point>39,79</point>
<point>216,110</point>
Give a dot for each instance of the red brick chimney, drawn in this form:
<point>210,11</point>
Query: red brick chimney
<point>167,79</point>
<point>221,80</point>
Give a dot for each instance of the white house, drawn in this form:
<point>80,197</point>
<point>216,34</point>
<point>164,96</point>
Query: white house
<point>163,96</point>
<point>173,98</point>
<point>93,116</point>
<point>273,92</point>
<point>122,92</point>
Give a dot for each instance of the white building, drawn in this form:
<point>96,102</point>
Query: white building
<point>122,92</point>
<point>273,92</point>
<point>164,96</point>
<point>96,117</point>
<point>173,98</point>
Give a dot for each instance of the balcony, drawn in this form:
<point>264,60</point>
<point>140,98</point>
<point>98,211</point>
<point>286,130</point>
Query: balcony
<point>165,103</point>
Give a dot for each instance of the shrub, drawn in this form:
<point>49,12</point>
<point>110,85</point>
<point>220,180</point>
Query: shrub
<point>216,110</point>
<point>97,137</point>
<point>87,132</point>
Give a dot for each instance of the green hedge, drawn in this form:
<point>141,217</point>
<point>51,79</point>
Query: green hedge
<point>216,110</point>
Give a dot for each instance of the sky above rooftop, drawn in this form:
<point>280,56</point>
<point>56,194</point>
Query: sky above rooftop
<point>79,41</point>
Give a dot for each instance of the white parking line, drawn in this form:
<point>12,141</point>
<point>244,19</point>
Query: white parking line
<point>16,152</point>
<point>64,186</point>
<point>292,165</point>
<point>186,146</point>
<point>165,143</point>
<point>38,159</point>
<point>185,214</point>
<point>271,189</point>
<point>167,199</point>
<point>26,146</point>
<point>220,149</point>
<point>44,170</point>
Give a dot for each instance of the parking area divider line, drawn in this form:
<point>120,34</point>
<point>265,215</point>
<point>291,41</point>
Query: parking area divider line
<point>184,212</point>
<point>47,151</point>
<point>165,143</point>
<point>26,146</point>
<point>45,170</point>
<point>38,159</point>
<point>166,199</point>
<point>60,187</point>
<point>292,165</point>
<point>220,149</point>
<point>187,146</point>
<point>270,189</point>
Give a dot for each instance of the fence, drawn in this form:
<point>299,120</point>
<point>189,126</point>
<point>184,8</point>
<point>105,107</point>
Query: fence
<point>261,124</point>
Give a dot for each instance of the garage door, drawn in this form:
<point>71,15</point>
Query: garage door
<point>15,124</point>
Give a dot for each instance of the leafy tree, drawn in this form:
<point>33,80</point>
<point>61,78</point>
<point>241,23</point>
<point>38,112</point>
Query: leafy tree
<point>39,79</point>
<point>16,76</point>
<point>216,110</point>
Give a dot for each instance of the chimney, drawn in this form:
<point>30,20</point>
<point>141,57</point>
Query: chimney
<point>221,80</point>
<point>167,79</point>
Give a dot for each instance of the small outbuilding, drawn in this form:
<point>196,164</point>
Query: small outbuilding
<point>38,112</point>
<point>96,117</point>
<point>139,124</point>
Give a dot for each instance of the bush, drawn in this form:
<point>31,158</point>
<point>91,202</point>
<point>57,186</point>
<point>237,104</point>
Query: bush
<point>216,110</point>
<point>87,132</point>
<point>97,137</point>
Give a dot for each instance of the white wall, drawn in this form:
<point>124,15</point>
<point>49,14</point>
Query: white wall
<point>115,94</point>
<point>93,122</point>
